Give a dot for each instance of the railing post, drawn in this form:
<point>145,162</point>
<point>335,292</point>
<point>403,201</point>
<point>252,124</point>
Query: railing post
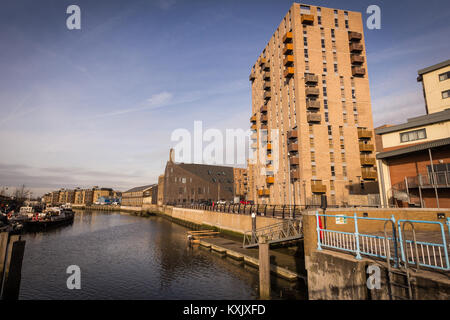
<point>394,240</point>
<point>401,242</point>
<point>445,242</point>
<point>318,231</point>
<point>358,254</point>
<point>293,213</point>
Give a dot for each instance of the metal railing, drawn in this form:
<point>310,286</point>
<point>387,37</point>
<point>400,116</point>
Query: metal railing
<point>439,179</point>
<point>421,253</point>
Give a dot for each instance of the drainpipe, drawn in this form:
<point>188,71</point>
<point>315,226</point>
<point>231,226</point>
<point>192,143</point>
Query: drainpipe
<point>433,177</point>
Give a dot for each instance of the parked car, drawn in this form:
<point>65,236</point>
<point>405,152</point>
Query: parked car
<point>246,202</point>
<point>221,202</point>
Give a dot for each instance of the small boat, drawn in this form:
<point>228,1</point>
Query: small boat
<point>52,217</point>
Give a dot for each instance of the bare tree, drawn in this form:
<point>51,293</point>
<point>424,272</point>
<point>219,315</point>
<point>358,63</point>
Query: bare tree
<point>21,193</point>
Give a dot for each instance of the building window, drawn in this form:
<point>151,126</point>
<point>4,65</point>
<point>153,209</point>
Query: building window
<point>333,173</point>
<point>444,76</point>
<point>445,94</point>
<point>336,23</point>
<point>346,24</point>
<point>413,135</point>
<point>319,20</point>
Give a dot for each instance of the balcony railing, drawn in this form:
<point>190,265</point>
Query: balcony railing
<point>311,79</point>
<point>267,95</point>
<point>266,76</point>
<point>364,134</point>
<point>264,127</point>
<point>313,104</point>
<point>253,127</point>
<point>287,37</point>
<point>318,187</point>
<point>367,161</point>
<point>354,36</point>
<point>307,18</point>
<point>253,119</point>
<point>293,134</point>
<point>358,71</point>
<point>294,161</point>
<point>314,117</point>
<point>263,118</point>
<point>263,192</point>
<point>288,48</point>
<point>262,62</point>
<point>310,91</point>
<point>369,174</point>
<point>356,47</point>
<point>263,109</point>
<point>288,61</point>
<point>295,174</point>
<point>356,59</point>
<point>289,72</point>
<point>252,76</point>
<point>366,147</point>
<point>266,85</point>
<point>269,147</point>
<point>270,180</point>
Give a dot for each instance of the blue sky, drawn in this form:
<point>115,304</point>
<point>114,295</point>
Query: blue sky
<point>97,106</point>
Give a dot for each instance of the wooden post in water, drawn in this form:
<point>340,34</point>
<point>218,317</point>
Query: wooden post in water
<point>13,269</point>
<point>264,269</point>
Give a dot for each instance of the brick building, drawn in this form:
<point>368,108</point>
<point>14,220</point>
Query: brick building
<point>311,112</point>
<point>240,183</point>
<point>138,196</point>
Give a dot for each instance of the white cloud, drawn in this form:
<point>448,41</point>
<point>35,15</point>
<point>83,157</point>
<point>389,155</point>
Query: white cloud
<point>160,99</point>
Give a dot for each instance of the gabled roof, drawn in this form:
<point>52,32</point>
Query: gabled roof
<point>142,188</point>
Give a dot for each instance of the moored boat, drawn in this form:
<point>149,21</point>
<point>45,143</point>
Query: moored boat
<point>52,217</point>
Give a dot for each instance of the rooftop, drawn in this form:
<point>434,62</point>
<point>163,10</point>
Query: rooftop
<point>432,68</point>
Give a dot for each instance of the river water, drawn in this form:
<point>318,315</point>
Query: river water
<point>124,256</point>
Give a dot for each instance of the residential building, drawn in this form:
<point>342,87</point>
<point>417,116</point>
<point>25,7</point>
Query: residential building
<point>101,192</point>
<point>311,112</point>
<point>193,183</point>
<point>160,190</point>
<point>436,86</point>
<point>414,164</point>
<point>138,196</point>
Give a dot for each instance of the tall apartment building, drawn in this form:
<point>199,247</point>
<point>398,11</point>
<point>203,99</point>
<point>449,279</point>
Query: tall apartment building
<point>311,112</point>
<point>240,183</point>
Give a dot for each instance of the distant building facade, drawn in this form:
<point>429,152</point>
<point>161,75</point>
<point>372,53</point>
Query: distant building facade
<point>240,183</point>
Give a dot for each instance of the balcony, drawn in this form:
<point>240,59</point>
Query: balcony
<point>364,134</point>
<point>295,174</point>
<point>311,79</point>
<point>262,62</point>
<point>369,174</point>
<point>287,37</point>
<point>266,76</point>
<point>294,161</point>
<point>253,119</point>
<point>356,59</point>
<point>293,147</point>
<point>367,161</point>
<point>358,71</point>
<point>288,48</point>
<point>318,187</point>
<point>254,136</point>
<point>288,60</point>
<point>267,95</point>
<point>266,85</point>
<point>270,180</point>
<point>366,147</point>
<point>313,104</point>
<point>253,127</point>
<point>252,76</point>
<point>438,179</point>
<point>254,146</point>
<point>356,47</point>
<point>313,117</point>
<point>307,19</point>
<point>293,134</point>
<point>263,109</point>
<point>289,72</point>
<point>263,192</point>
<point>311,91</point>
<point>269,147</point>
<point>263,118</point>
<point>264,127</point>
<point>354,36</point>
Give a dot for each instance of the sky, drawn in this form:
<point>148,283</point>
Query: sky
<point>97,106</point>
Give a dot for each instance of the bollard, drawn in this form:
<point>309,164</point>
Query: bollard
<point>264,269</point>
<point>253,228</point>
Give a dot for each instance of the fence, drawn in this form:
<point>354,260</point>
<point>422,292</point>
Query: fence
<point>421,253</point>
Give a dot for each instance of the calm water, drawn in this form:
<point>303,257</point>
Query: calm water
<point>127,257</point>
